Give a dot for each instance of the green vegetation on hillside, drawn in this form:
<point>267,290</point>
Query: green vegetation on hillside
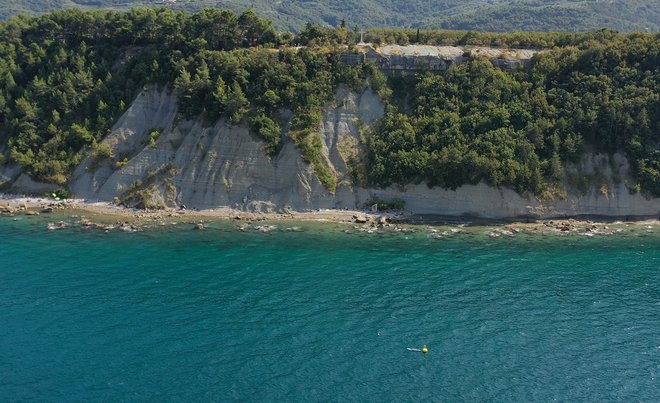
<point>66,77</point>
<point>257,84</point>
<point>479,123</point>
<point>524,40</point>
<point>557,15</point>
<point>479,15</point>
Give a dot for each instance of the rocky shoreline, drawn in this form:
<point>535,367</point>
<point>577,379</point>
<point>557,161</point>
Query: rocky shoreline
<point>108,217</point>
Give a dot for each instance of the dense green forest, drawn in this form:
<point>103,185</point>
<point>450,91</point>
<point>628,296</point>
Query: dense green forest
<point>66,77</point>
<point>479,15</point>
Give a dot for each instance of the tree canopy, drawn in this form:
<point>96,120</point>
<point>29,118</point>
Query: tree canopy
<point>66,77</point>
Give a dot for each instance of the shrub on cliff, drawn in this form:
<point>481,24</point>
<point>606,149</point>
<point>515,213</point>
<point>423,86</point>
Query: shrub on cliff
<point>64,79</point>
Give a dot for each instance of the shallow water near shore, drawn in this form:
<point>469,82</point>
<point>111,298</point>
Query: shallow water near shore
<point>263,314</point>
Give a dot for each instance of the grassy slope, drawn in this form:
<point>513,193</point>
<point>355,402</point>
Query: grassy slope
<point>483,15</point>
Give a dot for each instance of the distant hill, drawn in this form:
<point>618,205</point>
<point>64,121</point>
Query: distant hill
<point>480,15</point>
<point>543,15</point>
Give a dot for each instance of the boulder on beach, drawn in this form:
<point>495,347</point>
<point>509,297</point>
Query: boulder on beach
<point>7,210</point>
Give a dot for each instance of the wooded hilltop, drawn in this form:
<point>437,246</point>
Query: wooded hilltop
<point>66,77</point>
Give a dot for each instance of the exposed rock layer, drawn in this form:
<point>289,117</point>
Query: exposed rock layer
<point>223,165</point>
<point>395,59</point>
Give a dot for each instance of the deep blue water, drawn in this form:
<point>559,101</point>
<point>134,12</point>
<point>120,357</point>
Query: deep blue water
<point>222,315</point>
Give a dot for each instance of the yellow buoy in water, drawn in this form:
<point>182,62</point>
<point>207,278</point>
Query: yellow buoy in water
<point>425,349</point>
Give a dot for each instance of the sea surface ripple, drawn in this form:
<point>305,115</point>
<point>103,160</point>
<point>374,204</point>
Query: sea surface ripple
<point>222,315</point>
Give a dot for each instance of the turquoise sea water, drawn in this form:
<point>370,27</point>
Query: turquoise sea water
<point>223,315</point>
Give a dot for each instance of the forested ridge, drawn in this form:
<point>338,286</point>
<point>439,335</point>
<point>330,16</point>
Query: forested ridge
<point>66,77</point>
<point>479,15</point>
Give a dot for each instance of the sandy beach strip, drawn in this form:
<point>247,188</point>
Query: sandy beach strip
<point>104,213</point>
<point>16,204</point>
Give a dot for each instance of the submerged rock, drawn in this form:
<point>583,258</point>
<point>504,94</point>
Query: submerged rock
<point>265,228</point>
<point>58,225</point>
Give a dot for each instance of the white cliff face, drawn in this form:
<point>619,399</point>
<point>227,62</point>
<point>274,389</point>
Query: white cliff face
<point>440,58</point>
<point>8,173</point>
<point>224,165</point>
<point>486,201</point>
<point>605,193</point>
<point>610,190</point>
<point>150,110</point>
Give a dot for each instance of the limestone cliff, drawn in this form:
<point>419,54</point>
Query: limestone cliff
<point>8,175</point>
<point>395,59</point>
<point>223,165</point>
